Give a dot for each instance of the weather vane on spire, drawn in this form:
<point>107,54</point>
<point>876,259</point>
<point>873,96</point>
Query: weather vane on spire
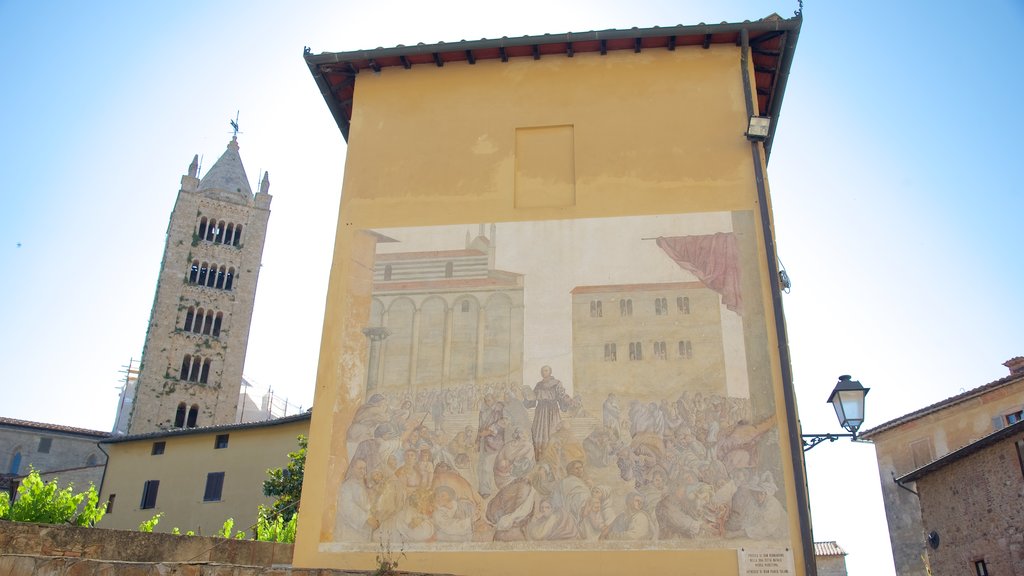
<point>234,125</point>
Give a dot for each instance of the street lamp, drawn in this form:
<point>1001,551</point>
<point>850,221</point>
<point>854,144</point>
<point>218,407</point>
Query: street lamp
<point>848,400</point>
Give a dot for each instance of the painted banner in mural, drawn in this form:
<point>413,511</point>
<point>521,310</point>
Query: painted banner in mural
<point>585,384</point>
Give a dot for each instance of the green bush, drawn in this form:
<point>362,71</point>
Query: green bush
<point>225,530</point>
<point>272,527</point>
<point>47,503</point>
<point>148,525</point>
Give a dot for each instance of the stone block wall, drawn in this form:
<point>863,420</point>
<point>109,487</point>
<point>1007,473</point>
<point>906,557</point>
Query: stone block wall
<point>69,457</point>
<point>831,565</point>
<point>974,504</point>
<point>27,548</point>
<point>44,540</point>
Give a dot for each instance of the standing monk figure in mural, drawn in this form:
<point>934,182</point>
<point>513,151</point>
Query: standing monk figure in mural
<point>550,400</point>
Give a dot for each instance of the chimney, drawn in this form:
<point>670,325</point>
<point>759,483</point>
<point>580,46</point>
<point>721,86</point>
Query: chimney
<point>1016,365</point>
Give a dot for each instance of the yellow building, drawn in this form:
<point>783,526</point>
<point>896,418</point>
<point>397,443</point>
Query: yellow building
<point>595,155</point>
<point>196,477</point>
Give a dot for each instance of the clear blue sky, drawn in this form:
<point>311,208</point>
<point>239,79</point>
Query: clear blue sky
<point>897,204</point>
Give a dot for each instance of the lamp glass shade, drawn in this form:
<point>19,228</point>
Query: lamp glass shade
<point>758,127</point>
<point>848,400</point>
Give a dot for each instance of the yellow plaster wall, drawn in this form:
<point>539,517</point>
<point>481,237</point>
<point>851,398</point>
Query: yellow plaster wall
<point>657,132</point>
<point>182,471</point>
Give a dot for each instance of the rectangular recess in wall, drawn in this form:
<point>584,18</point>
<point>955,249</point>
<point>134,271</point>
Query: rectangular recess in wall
<point>545,167</point>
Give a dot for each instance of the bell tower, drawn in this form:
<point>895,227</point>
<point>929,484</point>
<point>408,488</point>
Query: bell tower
<point>191,372</point>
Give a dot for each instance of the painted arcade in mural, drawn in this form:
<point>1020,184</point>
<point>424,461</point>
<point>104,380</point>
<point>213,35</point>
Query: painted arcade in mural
<point>592,383</point>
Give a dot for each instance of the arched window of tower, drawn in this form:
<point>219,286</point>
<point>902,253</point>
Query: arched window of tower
<point>186,367</point>
<point>189,317</point>
<point>179,416</point>
<point>219,231</point>
<point>205,376</point>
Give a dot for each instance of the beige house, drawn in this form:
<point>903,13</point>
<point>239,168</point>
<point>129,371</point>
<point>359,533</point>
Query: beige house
<point>970,506</point>
<point>917,440</point>
<point>196,477</point>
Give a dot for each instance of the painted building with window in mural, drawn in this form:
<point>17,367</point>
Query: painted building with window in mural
<point>645,334</point>
<point>598,383</point>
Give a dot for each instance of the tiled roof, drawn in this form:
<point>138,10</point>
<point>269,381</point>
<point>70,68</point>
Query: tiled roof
<point>772,39</point>
<point>208,429</point>
<point>951,401</point>
<point>829,548</point>
<point>52,427</point>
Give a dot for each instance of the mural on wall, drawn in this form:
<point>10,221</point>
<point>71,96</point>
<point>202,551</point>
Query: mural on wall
<point>591,383</point>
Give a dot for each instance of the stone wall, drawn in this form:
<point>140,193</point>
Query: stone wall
<point>974,506</point>
<point>69,457</point>
<point>44,540</point>
<point>27,548</point>
<point>831,565</point>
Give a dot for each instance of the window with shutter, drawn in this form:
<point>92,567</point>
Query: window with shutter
<point>149,491</point>
<point>214,487</point>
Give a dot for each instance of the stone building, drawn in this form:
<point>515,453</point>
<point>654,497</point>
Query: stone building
<point>830,558</point>
<point>191,371</point>
<point>920,438</point>
<point>63,452</point>
<point>971,506</point>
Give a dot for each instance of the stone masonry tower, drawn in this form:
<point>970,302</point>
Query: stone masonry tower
<point>191,371</point>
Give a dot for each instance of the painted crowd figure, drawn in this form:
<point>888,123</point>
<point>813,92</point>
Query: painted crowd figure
<point>678,468</point>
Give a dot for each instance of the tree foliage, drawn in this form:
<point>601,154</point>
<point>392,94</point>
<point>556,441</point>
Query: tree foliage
<point>47,503</point>
<point>285,484</point>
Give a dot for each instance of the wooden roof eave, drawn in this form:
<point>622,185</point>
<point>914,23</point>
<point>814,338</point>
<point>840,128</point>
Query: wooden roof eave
<point>699,35</point>
<point>340,117</point>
